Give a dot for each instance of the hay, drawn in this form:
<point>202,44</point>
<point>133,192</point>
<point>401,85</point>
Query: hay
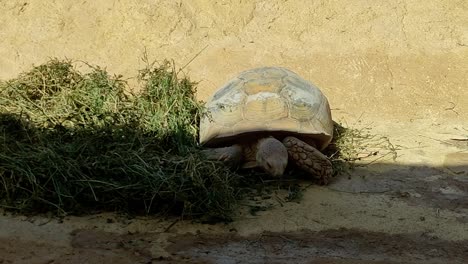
<point>353,147</point>
<point>76,143</point>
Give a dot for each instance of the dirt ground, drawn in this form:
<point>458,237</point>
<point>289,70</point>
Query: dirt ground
<point>397,67</point>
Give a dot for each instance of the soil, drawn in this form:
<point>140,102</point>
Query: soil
<point>397,68</point>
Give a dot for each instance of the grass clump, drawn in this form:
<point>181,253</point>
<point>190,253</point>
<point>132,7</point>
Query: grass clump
<point>74,143</point>
<point>172,117</point>
<point>353,147</point>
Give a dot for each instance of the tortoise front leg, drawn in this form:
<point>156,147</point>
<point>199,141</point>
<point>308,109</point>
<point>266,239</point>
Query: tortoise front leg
<point>309,159</point>
<point>232,155</point>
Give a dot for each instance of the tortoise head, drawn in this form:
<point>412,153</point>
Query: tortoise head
<point>272,156</point>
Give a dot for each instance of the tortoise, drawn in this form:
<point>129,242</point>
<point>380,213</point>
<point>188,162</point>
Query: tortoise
<point>268,117</point>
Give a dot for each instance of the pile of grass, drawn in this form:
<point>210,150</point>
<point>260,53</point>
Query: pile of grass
<point>76,143</point>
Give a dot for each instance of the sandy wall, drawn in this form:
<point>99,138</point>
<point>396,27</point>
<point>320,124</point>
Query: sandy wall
<point>384,60</point>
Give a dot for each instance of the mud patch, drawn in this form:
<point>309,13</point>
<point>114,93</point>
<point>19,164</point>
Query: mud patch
<point>332,246</point>
<point>87,246</point>
<point>130,246</point>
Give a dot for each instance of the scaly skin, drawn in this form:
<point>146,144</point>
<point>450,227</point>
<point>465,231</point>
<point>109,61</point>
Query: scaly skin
<point>267,153</point>
<point>232,155</point>
<point>309,159</point>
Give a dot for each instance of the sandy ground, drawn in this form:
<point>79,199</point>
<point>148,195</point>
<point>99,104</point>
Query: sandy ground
<point>399,68</point>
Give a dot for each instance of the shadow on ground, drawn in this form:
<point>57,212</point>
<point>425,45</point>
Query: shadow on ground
<point>438,187</point>
<point>330,246</point>
<point>430,188</point>
<point>421,187</point>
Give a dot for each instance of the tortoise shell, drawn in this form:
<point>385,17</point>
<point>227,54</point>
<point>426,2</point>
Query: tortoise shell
<point>267,101</point>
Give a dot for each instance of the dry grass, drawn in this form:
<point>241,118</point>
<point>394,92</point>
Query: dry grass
<point>75,143</point>
<point>353,147</point>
